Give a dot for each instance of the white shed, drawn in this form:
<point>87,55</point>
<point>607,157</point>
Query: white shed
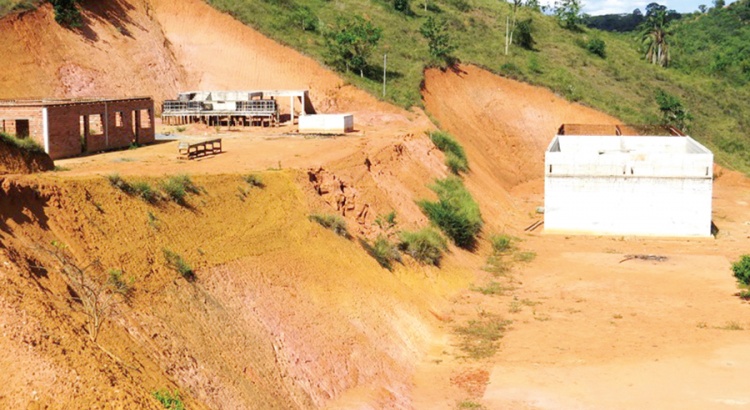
<point>628,185</point>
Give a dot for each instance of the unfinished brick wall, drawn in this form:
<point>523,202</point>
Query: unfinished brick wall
<point>120,123</point>
<point>9,116</point>
<point>76,127</point>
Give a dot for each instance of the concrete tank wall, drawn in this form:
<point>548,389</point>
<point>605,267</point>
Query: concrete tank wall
<point>327,123</point>
<point>628,206</point>
<point>658,186</point>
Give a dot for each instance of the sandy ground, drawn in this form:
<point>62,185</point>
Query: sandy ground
<point>289,315</point>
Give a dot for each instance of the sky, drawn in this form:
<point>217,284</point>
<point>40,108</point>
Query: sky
<point>596,7</point>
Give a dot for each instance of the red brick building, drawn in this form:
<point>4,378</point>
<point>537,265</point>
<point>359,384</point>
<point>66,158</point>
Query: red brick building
<point>66,128</point>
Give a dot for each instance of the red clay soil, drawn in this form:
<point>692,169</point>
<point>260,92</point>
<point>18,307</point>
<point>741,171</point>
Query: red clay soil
<point>285,314</point>
<point>121,51</point>
<point>14,160</point>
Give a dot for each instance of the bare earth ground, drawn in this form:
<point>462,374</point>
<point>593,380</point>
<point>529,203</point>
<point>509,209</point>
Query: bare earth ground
<point>285,314</point>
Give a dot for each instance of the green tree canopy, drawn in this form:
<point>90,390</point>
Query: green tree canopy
<point>568,13</point>
<point>654,34</point>
<point>435,30</point>
<point>351,42</point>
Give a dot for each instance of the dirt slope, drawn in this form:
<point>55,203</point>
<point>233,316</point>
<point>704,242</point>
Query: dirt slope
<point>276,316</point>
<point>120,51</point>
<point>14,160</point>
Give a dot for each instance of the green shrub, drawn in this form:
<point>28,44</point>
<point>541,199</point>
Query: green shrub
<point>501,243</point>
<point>119,284</point>
<point>144,190</point>
<point>170,400</point>
<point>672,110</point>
<point>525,35</point>
<point>744,294</point>
<point>304,18</point>
<point>402,6</point>
<point>524,256</point>
<point>116,181</point>
<point>177,263</point>
<point>455,213</point>
<point>254,180</point>
<point>597,46</point>
<point>426,245</point>
<point>741,269</point>
<point>387,221</point>
<point>455,157</point>
<point>332,222</point>
<point>383,251</point>
<point>178,186</point>
<point>24,144</point>
<point>66,13</point>
<point>461,5</point>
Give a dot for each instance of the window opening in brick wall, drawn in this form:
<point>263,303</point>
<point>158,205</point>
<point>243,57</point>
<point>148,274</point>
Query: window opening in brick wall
<point>22,128</point>
<point>145,119</point>
<point>96,126</point>
<point>118,119</point>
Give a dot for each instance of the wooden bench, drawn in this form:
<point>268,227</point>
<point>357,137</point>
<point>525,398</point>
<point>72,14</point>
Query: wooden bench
<point>199,149</point>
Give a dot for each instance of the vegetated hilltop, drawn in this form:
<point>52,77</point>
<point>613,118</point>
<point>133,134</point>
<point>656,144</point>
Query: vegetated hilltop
<point>620,83</point>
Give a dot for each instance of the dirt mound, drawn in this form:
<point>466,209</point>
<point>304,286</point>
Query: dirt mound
<point>15,160</point>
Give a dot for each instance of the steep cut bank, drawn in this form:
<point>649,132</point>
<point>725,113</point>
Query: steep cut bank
<point>16,160</point>
<point>120,51</point>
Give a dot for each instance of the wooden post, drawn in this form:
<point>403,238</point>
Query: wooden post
<point>385,64</point>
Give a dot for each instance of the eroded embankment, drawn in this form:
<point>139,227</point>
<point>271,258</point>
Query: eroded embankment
<point>282,311</point>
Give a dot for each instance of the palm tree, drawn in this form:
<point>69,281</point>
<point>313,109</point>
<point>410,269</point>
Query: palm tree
<point>654,36</point>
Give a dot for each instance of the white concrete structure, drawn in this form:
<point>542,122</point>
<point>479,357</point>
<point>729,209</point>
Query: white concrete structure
<point>628,185</point>
<point>327,123</point>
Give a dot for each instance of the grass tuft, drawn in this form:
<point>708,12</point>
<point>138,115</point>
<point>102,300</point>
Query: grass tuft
<point>333,222</point>
<point>177,263</point>
<point>178,186</point>
<point>501,243</point>
<point>426,245</point>
<point>143,190</point>
<point>254,180</point>
<point>455,213</point>
<point>479,338</point>
<point>170,400</point>
<point>383,251</point>
<point>455,157</point>
<point>493,288</point>
<point>24,144</point>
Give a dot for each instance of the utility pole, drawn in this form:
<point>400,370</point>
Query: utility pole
<point>385,64</point>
